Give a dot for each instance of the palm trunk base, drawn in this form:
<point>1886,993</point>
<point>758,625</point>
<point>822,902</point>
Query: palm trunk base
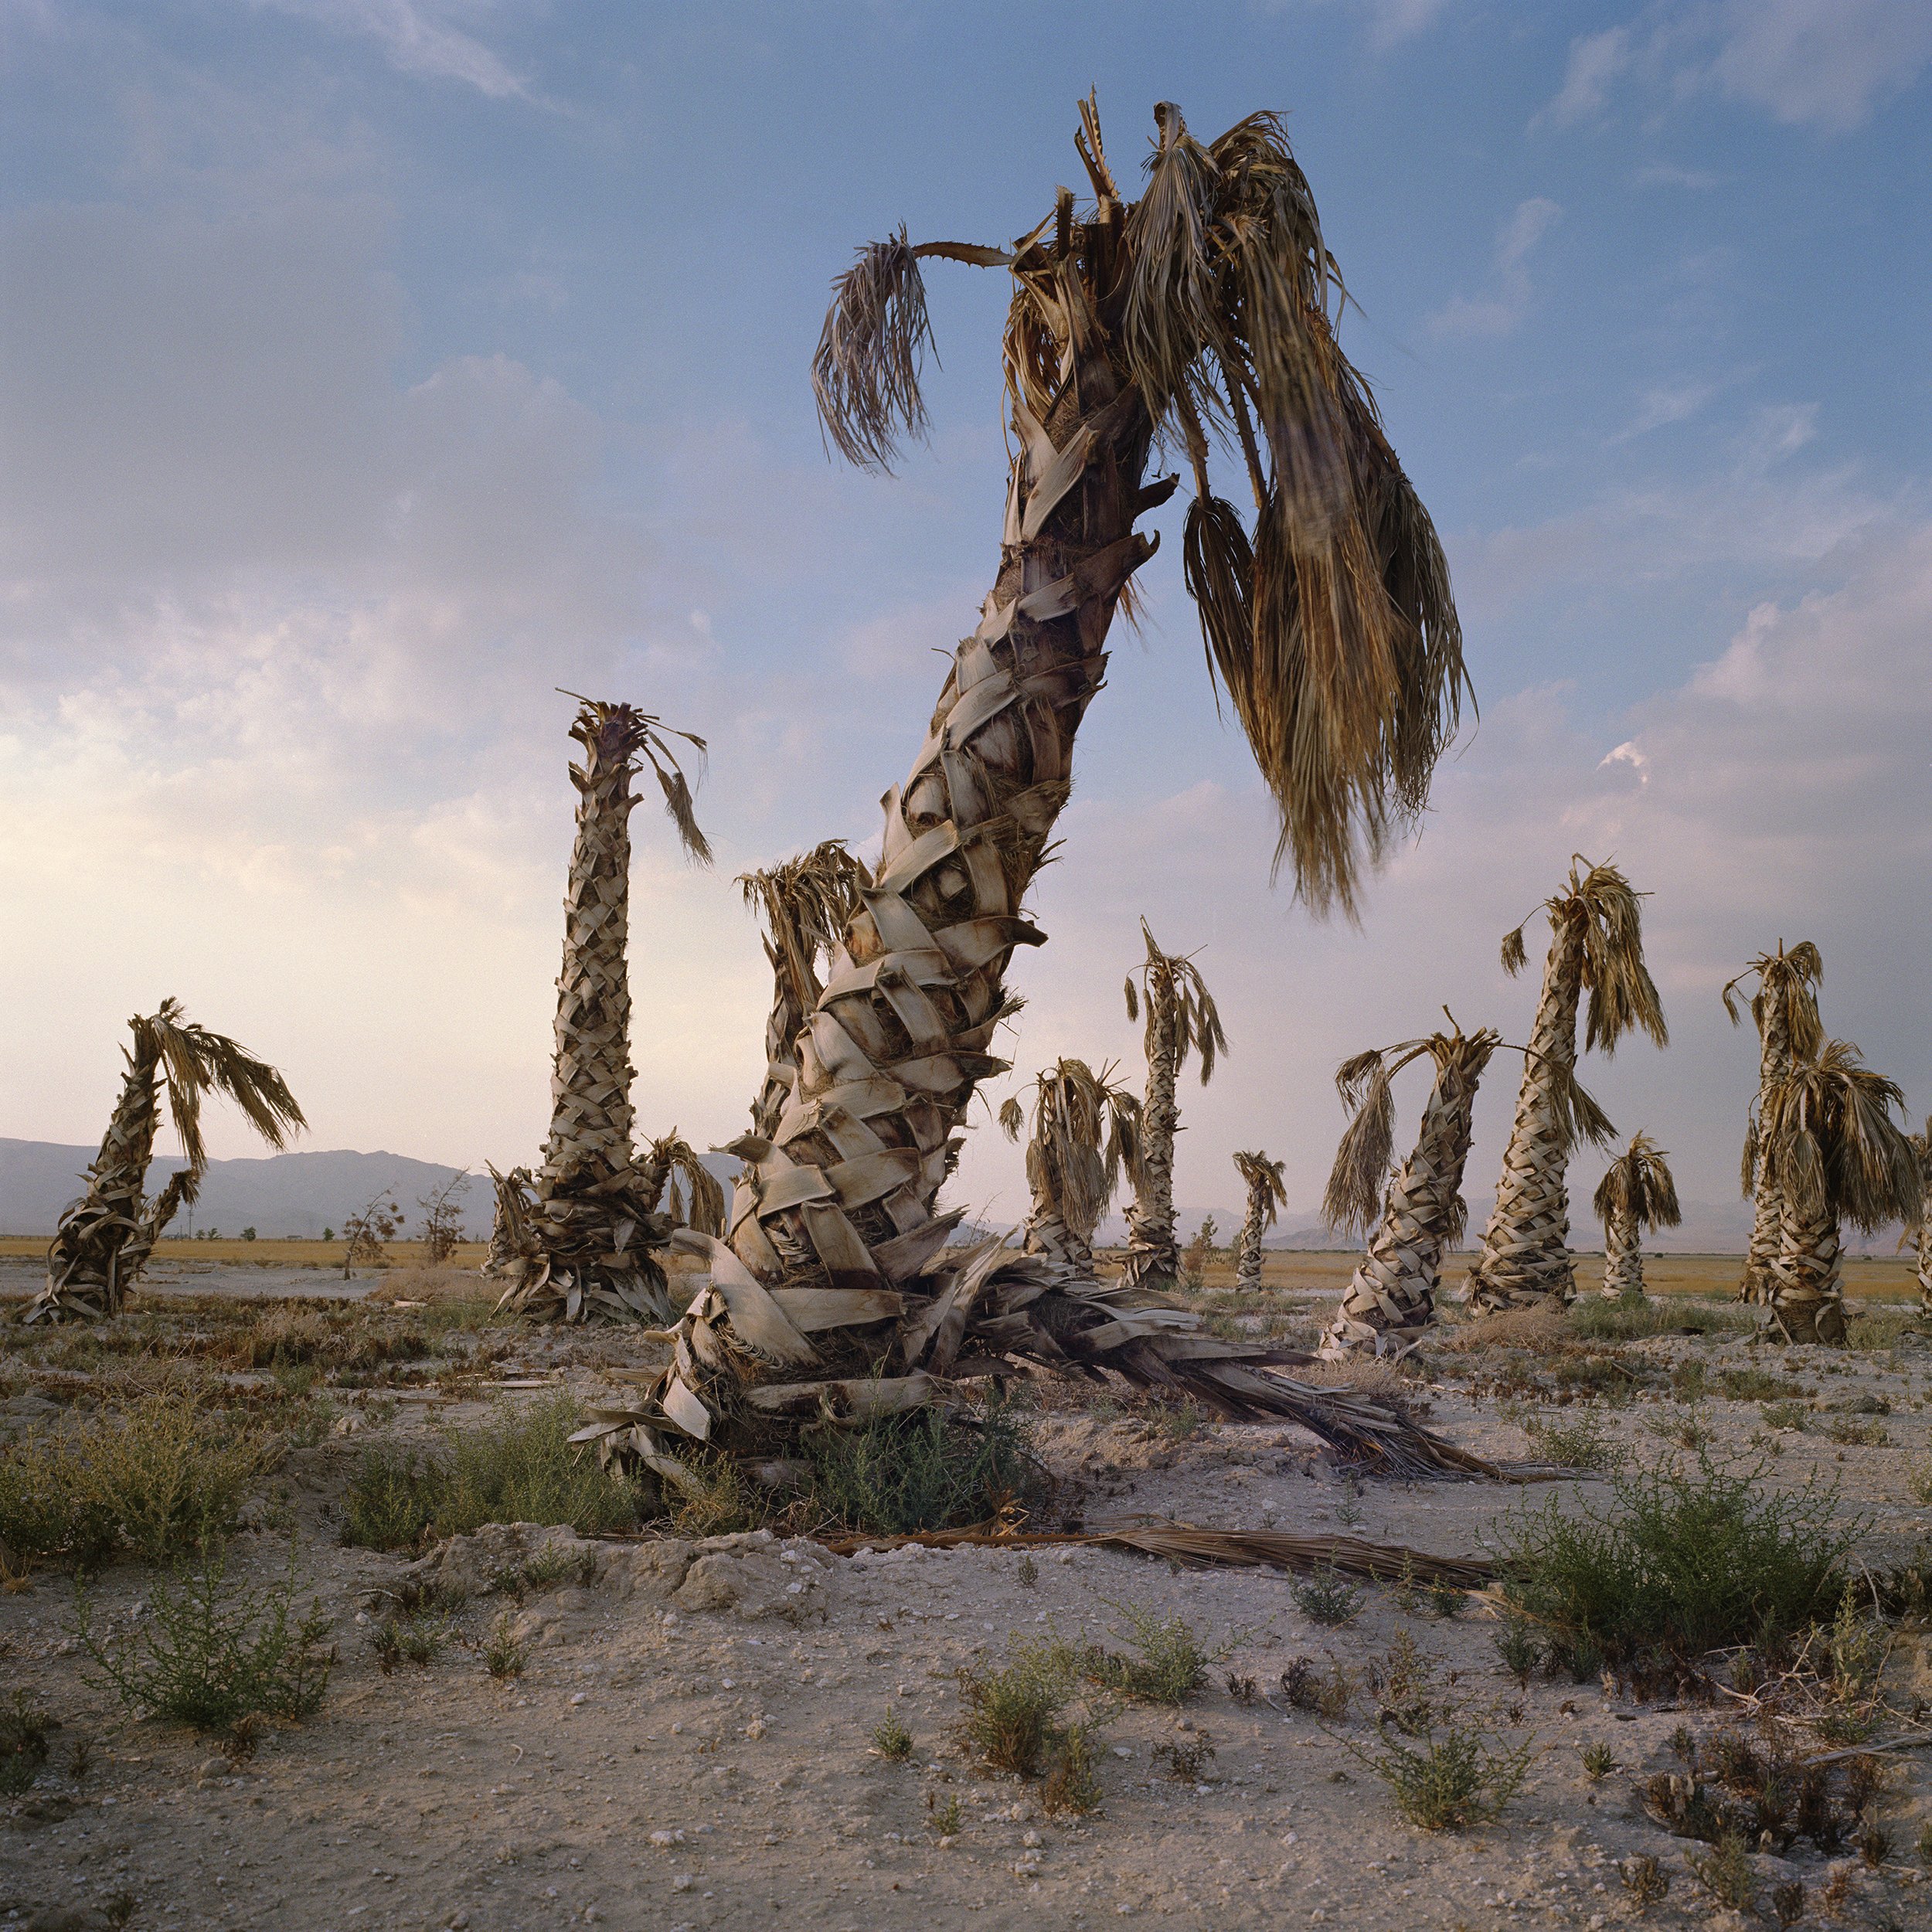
<point>579,1251</point>
<point>1807,1287</point>
<point>1386,1310</point>
<point>1544,1281</point>
<point>988,1313</point>
<point>1153,1255</point>
<point>1623,1265</point>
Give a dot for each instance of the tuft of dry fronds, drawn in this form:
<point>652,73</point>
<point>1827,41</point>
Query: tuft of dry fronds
<point>865,372</point>
<point>1785,998</point>
<point>680,1187</point>
<point>623,733</point>
<point>1175,989</point>
<point>1086,1138</point>
<point>806,903</point>
<point>1637,1186</point>
<point>1830,1145</point>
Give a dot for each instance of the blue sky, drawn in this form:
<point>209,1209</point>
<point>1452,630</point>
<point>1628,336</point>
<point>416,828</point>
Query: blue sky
<point>372,366</point>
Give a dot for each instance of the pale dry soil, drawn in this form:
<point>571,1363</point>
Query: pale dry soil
<point>689,1745</point>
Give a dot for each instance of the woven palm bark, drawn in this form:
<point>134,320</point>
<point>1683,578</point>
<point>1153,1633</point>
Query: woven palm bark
<point>1525,1261</point>
<point>1247,1252</point>
<point>1774,1063</point>
<point>576,1240</point>
<point>1922,1243</point>
<point>1807,1296</point>
<point>104,1239</point>
<point>1390,1301</point>
<point>1153,1255</point>
<point>1623,1258</point>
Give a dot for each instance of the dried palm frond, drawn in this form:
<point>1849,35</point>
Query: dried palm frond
<point>1086,1137</point>
<point>105,1237</point>
<point>694,1198</point>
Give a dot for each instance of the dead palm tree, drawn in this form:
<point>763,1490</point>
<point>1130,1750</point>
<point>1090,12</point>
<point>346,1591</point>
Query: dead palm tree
<point>1919,1232</point>
<point>1596,946</point>
<point>1200,313</point>
<point>1086,1137</point>
<point>105,1237</point>
<point>1390,1300</point>
<point>577,1242</point>
<point>1829,1145</point>
<point>1267,1195</point>
<point>1784,1010</point>
<point>1637,1193</point>
<point>1180,1017</point>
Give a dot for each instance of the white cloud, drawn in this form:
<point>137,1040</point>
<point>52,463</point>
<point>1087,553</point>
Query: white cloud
<point>1664,404</point>
<point>1827,64</point>
<point>1395,20</point>
<point>1595,61</point>
<point>1499,313</point>
<point>419,36</point>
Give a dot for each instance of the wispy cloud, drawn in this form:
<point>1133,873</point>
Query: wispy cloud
<point>1664,174</point>
<point>1666,404</point>
<point>1595,61</point>
<point>419,37</point>
<point>1499,313</point>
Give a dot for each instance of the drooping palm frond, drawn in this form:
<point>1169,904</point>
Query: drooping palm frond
<point>690,1194</point>
<point>1830,1145</point>
<point>1599,909</point>
<point>806,902</point>
<point>1264,1179</point>
<point>195,1061</point>
<point>1085,1139</point>
<point>1330,620</point>
<point>1788,984</point>
<point>1638,1185</point>
<point>1173,981</point>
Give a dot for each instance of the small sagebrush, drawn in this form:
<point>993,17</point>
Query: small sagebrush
<point>24,1731</point>
<point>1168,1663</point>
<point>1458,1776</point>
<point>891,1740</point>
<point>1325,1597</point>
<point>212,1655</point>
<point>929,1470</point>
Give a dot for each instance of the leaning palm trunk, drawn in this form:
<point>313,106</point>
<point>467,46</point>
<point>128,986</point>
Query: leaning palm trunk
<point>1390,1301</point>
<point>1785,1008</point>
<point>1596,943</point>
<point>577,1244</point>
<point>1266,1196</point>
<point>104,1239</point>
<point>834,1298</point>
<point>1181,1017</point>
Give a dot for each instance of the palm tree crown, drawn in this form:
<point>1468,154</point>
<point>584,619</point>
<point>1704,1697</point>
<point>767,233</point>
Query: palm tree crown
<point>1637,1187</point>
<point>1326,611</point>
<point>1085,1138</point>
<point>194,1061</point>
<point>1831,1146</point>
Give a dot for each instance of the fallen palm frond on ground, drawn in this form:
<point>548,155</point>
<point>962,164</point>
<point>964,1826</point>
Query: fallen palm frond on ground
<point>1209,1549</point>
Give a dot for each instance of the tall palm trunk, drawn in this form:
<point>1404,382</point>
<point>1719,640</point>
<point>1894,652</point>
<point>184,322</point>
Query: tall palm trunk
<point>1390,1300</point>
<point>581,1237</point>
<point>1806,1292</point>
<point>105,1237</point>
<point>1774,1060</point>
<point>1623,1257</point>
<point>1922,1246</point>
<point>1525,1260</point>
<point>1153,1255</point>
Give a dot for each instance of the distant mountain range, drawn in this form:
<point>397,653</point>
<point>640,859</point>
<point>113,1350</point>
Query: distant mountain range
<point>298,1194</point>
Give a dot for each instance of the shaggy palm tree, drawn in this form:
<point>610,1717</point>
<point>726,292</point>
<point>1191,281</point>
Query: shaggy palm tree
<point>576,1241</point>
<point>1181,1017</point>
<point>1201,313</point>
<point>1784,1010</point>
<point>1267,1195</point>
<point>105,1237</point>
<point>1636,1194</point>
<point>1086,1135</point>
<point>1919,1232</point>
<point>1831,1147</point>
<point>1390,1299</point>
<point>1596,946</point>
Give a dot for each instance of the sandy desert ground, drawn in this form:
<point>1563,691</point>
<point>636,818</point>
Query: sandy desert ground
<point>689,1743</point>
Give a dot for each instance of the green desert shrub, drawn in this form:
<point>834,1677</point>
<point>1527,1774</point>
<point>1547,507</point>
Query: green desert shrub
<point>1593,1319</point>
<point>518,1467</point>
<point>24,1729</point>
<point>1456,1776</point>
<point>161,1476</point>
<point>1689,1556</point>
<point>214,1654</point>
<point>1166,1660</point>
<point>932,1469</point>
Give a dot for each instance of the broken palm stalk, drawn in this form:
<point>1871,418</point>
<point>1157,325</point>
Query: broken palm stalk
<point>104,1238</point>
<point>1202,308</point>
<point>1267,1195</point>
<point>1085,1134</point>
<point>1182,1018</point>
<point>1597,947</point>
<point>575,1241</point>
<point>1637,1193</point>
<point>1183,1543</point>
<point>1829,1145</point>
<point>1784,1011</point>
